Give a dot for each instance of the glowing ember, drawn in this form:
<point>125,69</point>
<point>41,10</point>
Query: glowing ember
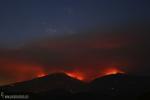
<point>75,75</point>
<point>112,71</point>
<point>41,75</point>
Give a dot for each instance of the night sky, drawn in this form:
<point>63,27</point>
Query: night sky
<point>84,38</point>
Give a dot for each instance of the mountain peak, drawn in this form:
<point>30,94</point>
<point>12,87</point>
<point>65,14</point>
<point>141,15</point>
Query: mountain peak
<point>48,83</point>
<point>117,74</point>
<point>112,77</point>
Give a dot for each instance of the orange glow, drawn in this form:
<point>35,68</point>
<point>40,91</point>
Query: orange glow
<point>111,71</point>
<point>41,75</point>
<point>75,75</point>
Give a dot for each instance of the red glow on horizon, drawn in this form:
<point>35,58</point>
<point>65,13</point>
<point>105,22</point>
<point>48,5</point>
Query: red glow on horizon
<point>87,76</point>
<point>41,75</point>
<point>112,71</point>
<point>75,75</point>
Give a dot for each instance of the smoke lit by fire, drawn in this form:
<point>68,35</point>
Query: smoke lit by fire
<point>110,71</point>
<point>41,74</point>
<point>76,75</point>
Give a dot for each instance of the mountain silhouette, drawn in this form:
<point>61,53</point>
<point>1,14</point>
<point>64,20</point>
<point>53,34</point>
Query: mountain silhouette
<point>47,83</point>
<point>59,85</point>
<point>121,85</point>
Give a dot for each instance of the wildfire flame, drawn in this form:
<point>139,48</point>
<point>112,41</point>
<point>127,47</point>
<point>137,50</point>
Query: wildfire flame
<point>111,71</point>
<point>75,75</point>
<point>41,75</point>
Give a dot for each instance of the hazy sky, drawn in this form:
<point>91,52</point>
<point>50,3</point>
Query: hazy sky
<point>24,20</point>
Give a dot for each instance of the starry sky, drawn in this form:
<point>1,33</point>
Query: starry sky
<point>82,37</point>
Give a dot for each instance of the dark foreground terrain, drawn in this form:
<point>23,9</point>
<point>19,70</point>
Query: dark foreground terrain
<point>60,86</point>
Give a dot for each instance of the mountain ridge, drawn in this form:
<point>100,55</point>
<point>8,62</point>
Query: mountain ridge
<point>60,84</point>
